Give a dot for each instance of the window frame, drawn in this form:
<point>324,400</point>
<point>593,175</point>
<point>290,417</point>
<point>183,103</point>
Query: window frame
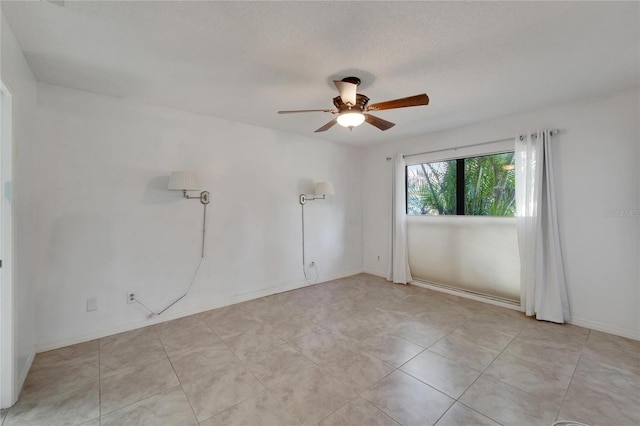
<point>460,183</point>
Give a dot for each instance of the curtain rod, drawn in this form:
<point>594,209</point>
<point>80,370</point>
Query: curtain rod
<point>521,137</point>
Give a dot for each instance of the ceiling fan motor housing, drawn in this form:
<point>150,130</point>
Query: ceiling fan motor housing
<point>353,80</point>
<point>361,103</point>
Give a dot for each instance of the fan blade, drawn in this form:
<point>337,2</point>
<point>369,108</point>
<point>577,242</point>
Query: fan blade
<point>327,126</point>
<point>306,110</point>
<point>411,101</point>
<point>347,91</point>
<point>378,122</point>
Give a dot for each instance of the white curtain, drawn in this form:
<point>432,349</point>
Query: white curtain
<point>543,290</point>
<point>399,259</point>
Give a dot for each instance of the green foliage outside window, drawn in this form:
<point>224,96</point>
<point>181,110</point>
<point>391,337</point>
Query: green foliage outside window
<point>489,186</point>
<point>431,188</point>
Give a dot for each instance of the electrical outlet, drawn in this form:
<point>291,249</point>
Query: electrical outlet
<point>131,297</point>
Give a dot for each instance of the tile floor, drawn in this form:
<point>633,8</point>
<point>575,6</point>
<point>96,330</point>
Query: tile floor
<point>355,351</point>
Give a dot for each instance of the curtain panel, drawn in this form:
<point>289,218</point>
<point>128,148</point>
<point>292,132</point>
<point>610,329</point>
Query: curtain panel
<point>543,290</point>
<point>398,270</point>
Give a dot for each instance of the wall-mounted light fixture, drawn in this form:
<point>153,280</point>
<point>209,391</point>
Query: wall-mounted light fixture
<point>322,190</point>
<point>185,181</point>
<point>182,181</point>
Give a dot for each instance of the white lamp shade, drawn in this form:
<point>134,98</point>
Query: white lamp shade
<point>180,181</point>
<point>324,188</point>
<point>351,119</point>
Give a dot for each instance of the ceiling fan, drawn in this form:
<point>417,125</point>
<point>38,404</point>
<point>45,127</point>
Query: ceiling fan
<point>352,107</point>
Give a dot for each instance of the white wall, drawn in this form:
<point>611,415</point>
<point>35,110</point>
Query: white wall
<point>597,167</point>
<point>18,78</point>
<point>473,253</point>
<point>109,225</point>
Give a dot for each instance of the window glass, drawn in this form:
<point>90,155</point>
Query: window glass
<point>489,186</point>
<point>431,188</point>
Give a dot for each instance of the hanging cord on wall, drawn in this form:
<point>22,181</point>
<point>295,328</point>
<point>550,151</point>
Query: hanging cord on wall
<point>153,314</point>
<point>304,264</point>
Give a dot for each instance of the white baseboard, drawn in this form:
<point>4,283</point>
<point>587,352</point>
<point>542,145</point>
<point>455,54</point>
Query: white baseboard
<point>374,272</point>
<point>594,325</point>
<point>443,289</point>
<point>17,386</point>
<point>581,322</point>
<point>466,295</point>
<point>25,371</point>
<point>605,328</point>
<point>48,346</point>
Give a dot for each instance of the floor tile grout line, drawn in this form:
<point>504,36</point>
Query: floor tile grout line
<point>137,368</point>
<point>349,402</point>
<point>337,409</point>
<point>138,401</point>
<point>374,404</point>
<point>522,359</point>
<point>482,373</point>
<point>245,367</point>
<point>512,385</point>
<point>358,394</point>
<point>419,344</point>
<point>443,356</point>
<point>319,366</point>
<point>445,412</point>
<point>582,355</point>
<point>516,387</point>
<point>427,349</point>
<point>435,388</point>
<point>358,348</point>
<point>480,343</point>
<point>316,365</point>
<point>427,384</point>
<point>483,415</point>
<point>264,391</point>
<point>179,381</point>
<point>234,405</point>
<point>398,369</point>
<point>627,351</point>
<point>168,358</point>
<point>573,373</point>
<point>236,356</point>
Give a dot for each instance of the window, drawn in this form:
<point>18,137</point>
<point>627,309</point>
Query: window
<point>479,186</point>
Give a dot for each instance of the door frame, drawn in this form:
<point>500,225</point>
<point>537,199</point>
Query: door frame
<point>7,295</point>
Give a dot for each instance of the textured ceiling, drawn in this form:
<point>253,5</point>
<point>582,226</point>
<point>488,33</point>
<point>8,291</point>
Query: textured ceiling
<point>244,61</point>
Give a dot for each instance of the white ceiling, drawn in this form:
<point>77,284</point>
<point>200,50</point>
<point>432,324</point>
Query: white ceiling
<point>243,61</point>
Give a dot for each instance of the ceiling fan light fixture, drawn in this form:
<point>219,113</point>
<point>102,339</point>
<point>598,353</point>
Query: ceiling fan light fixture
<point>351,119</point>
<point>351,106</point>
